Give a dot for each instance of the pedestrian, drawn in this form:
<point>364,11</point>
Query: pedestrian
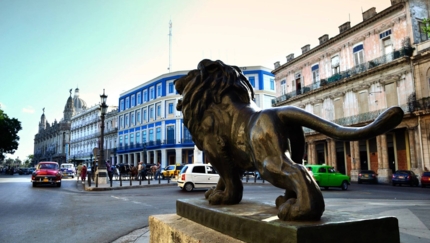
<point>83,173</point>
<point>109,170</point>
<point>158,170</point>
<point>78,171</point>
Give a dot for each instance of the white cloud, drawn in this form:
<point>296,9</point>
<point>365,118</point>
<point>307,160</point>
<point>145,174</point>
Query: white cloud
<point>28,109</point>
<point>2,106</point>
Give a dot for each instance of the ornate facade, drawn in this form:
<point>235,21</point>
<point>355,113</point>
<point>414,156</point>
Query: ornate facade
<point>85,134</point>
<point>354,76</point>
<point>151,129</point>
<point>52,142</point>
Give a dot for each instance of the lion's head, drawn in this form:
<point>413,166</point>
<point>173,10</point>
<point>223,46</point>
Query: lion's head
<point>207,85</point>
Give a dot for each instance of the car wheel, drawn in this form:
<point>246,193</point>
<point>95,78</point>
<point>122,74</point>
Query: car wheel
<point>188,187</point>
<point>59,184</point>
<point>34,184</point>
<point>344,185</point>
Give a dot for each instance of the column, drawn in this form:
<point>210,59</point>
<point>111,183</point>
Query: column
<point>355,160</point>
<point>148,158</point>
<point>384,172</point>
<point>155,156</point>
<point>333,153</point>
<point>357,155</point>
<point>411,138</point>
<point>198,156</point>
<point>135,159</point>
<point>129,159</point>
<point>313,154</point>
<point>178,155</point>
<point>164,161</point>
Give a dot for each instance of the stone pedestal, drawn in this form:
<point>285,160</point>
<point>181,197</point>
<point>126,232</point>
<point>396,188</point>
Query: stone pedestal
<point>258,223</point>
<point>102,176</point>
<point>384,176</point>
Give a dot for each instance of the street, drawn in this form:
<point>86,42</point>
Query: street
<point>70,214</point>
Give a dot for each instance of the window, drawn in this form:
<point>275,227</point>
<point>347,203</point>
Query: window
<point>358,54</point>
<point>132,118</point>
<point>137,137</point>
<point>283,87</point>
<point>385,34</point>
<point>335,67</point>
<point>315,73</point>
<point>145,95</point>
<point>388,49</point>
<point>423,35</point>
<point>133,101</point>
<point>144,136</point>
<point>252,81</point>
<point>151,112</point>
<point>120,141</point>
<point>122,105</point>
<point>139,98</point>
<point>170,134</point>
<point>126,120</point>
<point>138,117</point>
<point>272,84</point>
<point>158,110</point>
<point>159,90</point>
<point>158,133</point>
<point>131,139</point>
<point>145,118</point>
<point>171,87</point>
<point>151,93</point>
<point>126,140</point>
<point>187,135</point>
<point>199,169</point>
<point>127,103</point>
<point>151,135</point>
<point>170,108</point>
<point>121,122</point>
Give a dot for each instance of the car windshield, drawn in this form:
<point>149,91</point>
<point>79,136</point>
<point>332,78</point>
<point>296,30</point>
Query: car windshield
<point>171,167</point>
<point>184,169</point>
<point>48,166</point>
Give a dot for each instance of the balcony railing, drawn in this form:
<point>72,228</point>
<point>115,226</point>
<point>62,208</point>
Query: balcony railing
<point>344,75</point>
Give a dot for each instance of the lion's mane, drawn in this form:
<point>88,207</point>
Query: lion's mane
<point>206,85</point>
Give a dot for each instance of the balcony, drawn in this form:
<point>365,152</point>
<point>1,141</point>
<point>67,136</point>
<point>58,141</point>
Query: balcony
<point>343,75</point>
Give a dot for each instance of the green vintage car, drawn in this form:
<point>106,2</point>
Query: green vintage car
<point>326,177</point>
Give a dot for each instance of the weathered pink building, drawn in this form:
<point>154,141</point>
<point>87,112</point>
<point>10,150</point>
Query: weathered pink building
<point>354,76</point>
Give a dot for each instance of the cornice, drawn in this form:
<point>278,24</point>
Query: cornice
<point>340,36</point>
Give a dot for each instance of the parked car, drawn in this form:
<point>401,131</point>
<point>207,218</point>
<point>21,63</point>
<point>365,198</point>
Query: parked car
<point>197,176</point>
<point>171,171</point>
<point>326,176</point>
<point>405,177</point>
<point>47,172</point>
<point>68,170</point>
<point>425,179</point>
<point>367,176</point>
<point>23,171</point>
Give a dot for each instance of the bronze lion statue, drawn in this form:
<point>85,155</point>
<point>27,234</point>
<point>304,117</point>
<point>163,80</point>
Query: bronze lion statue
<point>237,136</point>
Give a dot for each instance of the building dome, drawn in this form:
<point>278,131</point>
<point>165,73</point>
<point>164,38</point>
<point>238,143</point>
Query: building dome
<point>78,103</point>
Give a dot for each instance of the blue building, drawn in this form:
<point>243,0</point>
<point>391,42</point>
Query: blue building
<point>150,129</point>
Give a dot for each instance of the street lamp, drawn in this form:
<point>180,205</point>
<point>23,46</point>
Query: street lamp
<point>101,169</point>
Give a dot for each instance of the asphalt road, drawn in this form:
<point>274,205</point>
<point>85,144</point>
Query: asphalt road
<point>69,214</point>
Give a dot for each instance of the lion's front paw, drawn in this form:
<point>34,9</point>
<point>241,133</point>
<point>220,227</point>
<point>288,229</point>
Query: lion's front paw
<point>209,192</point>
<point>217,197</point>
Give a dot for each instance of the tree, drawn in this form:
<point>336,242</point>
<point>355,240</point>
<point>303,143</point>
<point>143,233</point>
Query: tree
<point>9,128</point>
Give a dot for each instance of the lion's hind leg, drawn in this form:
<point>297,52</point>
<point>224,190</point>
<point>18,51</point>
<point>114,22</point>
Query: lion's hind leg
<point>303,199</point>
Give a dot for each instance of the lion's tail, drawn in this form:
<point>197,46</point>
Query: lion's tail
<point>385,122</point>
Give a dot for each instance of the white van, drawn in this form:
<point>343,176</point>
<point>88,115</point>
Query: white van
<point>68,170</point>
<point>197,176</point>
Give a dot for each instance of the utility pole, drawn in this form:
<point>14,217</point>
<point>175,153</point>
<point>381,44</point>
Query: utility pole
<point>170,46</point>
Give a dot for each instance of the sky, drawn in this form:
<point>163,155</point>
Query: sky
<point>48,47</point>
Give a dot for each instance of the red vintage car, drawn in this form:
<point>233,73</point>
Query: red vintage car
<point>47,173</point>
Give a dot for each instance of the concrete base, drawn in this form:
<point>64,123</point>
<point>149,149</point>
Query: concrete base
<point>171,228</point>
<point>257,222</point>
<point>385,176</point>
<point>354,175</point>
